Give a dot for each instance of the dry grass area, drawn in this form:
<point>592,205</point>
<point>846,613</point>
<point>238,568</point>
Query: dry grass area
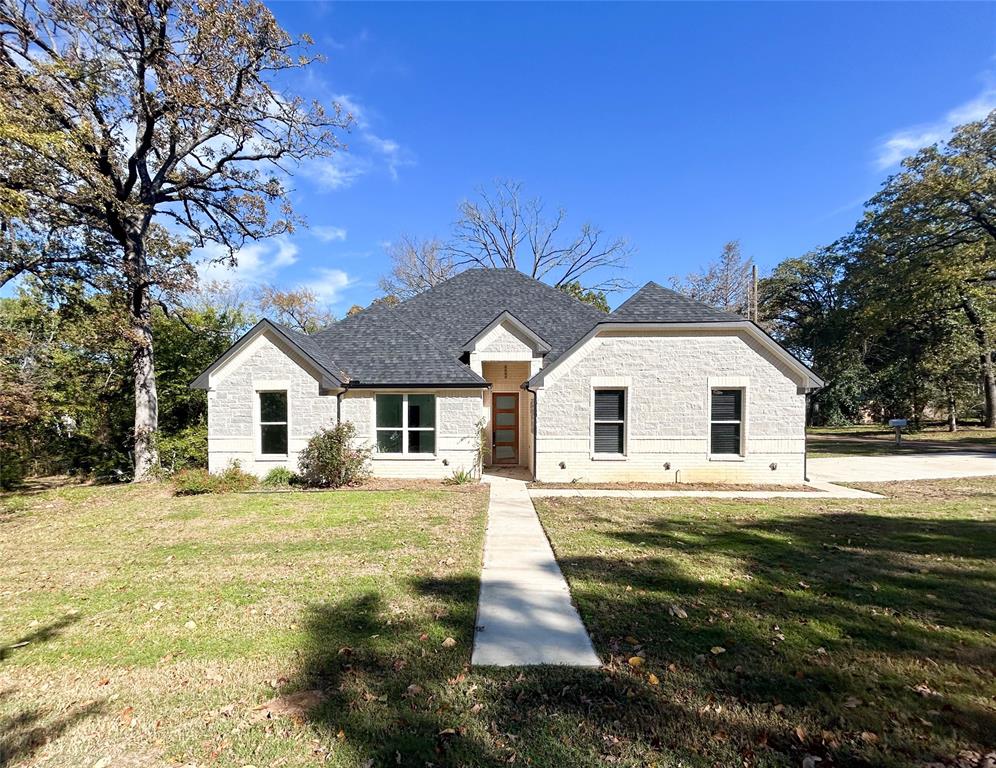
<point>137,628</point>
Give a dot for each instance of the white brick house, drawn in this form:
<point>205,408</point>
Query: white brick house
<point>663,389</point>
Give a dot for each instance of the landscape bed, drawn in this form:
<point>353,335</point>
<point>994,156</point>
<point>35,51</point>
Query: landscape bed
<point>154,630</point>
<point>638,486</point>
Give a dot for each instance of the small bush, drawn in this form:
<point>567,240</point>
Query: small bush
<point>461,477</point>
<point>192,482</point>
<point>330,460</point>
<point>279,476</point>
<point>234,479</point>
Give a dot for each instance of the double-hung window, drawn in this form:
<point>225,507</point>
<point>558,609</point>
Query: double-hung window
<point>610,421</point>
<point>726,420</point>
<point>273,423</point>
<point>406,424</point>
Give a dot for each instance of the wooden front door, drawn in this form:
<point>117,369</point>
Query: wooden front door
<point>505,428</point>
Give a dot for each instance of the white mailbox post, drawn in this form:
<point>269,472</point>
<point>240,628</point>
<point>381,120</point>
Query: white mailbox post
<point>898,425</point>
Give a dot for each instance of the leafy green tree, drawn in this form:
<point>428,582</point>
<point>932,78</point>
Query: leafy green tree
<point>114,113</point>
<point>297,308</point>
<point>931,234</point>
<point>805,305</point>
<point>592,297</point>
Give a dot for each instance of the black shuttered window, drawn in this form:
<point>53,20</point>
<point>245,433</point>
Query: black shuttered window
<point>726,421</point>
<point>610,421</point>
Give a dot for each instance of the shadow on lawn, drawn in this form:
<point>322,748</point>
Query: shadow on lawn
<point>397,696</point>
<point>833,606</point>
<point>22,734</point>
<point>397,699</point>
<point>40,635</point>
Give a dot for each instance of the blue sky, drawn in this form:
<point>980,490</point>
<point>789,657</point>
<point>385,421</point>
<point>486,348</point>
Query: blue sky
<point>677,126</point>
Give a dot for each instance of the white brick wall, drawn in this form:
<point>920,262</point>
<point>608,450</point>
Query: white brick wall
<point>233,431</point>
<point>669,376</point>
<point>503,341</point>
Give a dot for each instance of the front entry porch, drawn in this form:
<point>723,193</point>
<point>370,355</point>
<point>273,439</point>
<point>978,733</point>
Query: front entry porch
<point>509,410</point>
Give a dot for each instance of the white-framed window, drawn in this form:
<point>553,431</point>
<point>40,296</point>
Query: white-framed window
<point>406,424</point>
<point>610,421</point>
<point>726,421</point>
<point>273,423</point>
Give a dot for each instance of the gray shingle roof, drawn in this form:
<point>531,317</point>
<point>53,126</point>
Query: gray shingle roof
<point>420,342</point>
<point>455,311</point>
<point>377,347</point>
<point>655,304</point>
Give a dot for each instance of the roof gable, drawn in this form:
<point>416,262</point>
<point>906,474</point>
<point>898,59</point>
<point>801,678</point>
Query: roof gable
<point>455,311</point>
<point>329,374</point>
<point>520,329</point>
<point>655,304</point>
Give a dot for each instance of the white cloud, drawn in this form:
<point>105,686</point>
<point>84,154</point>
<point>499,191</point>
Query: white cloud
<point>371,149</point>
<point>256,262</point>
<point>328,234</point>
<point>329,284</point>
<point>905,142</point>
<point>337,172</point>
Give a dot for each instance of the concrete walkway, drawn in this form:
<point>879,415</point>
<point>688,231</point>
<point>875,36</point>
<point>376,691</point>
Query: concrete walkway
<point>525,615</point>
<point>822,490</point>
<point>918,466</point>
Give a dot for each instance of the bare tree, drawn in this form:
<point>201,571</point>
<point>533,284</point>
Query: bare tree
<point>503,229</point>
<point>416,266</point>
<point>297,308</point>
<point>724,283</point>
<point>114,112</point>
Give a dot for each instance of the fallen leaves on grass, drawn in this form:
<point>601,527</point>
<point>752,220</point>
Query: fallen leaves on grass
<point>635,662</point>
<point>295,705</point>
<point>449,642</point>
<point>717,649</point>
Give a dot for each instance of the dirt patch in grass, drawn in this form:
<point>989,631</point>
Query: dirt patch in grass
<point>635,486</point>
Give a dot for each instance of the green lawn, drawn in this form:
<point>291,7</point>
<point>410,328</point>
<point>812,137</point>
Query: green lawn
<point>878,440</point>
<point>137,624</point>
<point>150,629</point>
<point>863,633</point>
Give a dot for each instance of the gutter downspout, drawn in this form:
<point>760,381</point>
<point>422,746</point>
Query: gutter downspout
<point>805,441</point>
<point>534,393</point>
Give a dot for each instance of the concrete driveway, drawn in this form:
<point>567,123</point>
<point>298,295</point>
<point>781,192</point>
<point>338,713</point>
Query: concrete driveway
<point>913,466</point>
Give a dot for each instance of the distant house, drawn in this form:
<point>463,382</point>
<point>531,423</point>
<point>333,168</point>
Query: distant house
<point>664,388</point>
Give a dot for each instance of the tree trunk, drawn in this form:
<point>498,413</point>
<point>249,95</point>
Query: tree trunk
<point>146,457</point>
<point>985,358</point>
